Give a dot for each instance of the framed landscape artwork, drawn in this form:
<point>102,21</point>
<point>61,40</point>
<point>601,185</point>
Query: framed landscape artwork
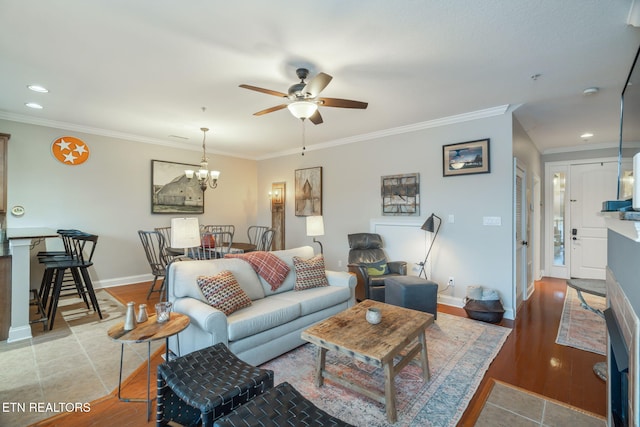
<point>308,191</point>
<point>466,158</point>
<point>400,194</point>
<point>172,192</point>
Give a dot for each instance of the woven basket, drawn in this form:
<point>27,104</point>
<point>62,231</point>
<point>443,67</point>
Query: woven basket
<point>490,311</point>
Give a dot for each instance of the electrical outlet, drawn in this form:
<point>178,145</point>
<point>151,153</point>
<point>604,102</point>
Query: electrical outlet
<point>452,282</point>
<point>339,263</point>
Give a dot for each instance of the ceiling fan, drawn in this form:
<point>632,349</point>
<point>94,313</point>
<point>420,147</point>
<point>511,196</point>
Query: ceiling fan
<point>303,97</point>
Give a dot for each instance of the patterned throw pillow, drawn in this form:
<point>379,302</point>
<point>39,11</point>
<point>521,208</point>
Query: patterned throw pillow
<point>309,273</point>
<point>378,268</point>
<point>223,292</point>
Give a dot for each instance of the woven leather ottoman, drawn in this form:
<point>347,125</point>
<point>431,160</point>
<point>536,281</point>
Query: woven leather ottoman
<point>205,385</point>
<point>279,407</point>
<point>412,292</point>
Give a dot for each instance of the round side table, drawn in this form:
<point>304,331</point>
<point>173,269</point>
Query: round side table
<point>146,332</point>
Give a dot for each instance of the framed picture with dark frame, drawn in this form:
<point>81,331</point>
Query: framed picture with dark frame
<point>308,191</point>
<point>172,192</point>
<point>466,158</point>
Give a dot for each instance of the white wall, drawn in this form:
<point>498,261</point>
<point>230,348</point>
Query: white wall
<point>110,194</point>
<point>474,254</point>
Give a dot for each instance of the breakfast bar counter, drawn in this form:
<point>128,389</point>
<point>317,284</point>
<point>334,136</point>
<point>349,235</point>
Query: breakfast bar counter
<point>21,241</point>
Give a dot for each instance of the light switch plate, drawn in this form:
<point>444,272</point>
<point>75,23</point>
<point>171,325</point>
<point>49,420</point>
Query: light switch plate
<point>491,220</point>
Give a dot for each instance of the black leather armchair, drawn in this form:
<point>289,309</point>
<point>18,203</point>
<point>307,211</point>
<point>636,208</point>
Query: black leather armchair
<point>366,256</point>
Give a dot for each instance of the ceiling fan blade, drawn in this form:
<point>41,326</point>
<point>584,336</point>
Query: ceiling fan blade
<point>316,118</point>
<point>317,84</point>
<point>342,103</point>
<point>267,91</point>
<point>270,110</point>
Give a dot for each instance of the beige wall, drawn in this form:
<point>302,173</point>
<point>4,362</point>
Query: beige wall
<point>110,194</point>
<point>472,253</point>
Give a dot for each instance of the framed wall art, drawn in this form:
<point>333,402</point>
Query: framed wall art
<point>400,194</point>
<point>308,191</point>
<point>172,192</point>
<point>466,158</point>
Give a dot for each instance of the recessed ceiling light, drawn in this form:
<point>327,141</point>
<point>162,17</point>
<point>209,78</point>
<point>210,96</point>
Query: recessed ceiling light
<point>590,91</point>
<point>38,88</point>
<point>34,105</point>
<point>586,135</point>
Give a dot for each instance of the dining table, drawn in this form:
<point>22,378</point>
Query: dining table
<point>238,247</point>
<point>21,242</point>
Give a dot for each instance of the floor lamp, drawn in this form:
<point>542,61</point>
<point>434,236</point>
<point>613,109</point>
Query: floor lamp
<point>430,227</point>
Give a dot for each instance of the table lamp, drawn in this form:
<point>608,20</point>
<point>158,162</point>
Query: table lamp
<point>315,227</point>
<point>185,233</point>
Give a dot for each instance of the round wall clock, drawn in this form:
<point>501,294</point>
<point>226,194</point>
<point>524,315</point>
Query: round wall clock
<point>70,150</point>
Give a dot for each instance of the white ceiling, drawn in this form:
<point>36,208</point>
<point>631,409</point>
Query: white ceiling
<point>143,69</point>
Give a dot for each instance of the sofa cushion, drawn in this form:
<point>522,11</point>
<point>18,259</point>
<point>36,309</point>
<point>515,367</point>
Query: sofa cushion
<point>223,292</point>
<point>263,314</point>
<point>268,266</point>
<point>309,273</point>
<point>287,255</point>
<point>183,277</point>
<point>316,299</point>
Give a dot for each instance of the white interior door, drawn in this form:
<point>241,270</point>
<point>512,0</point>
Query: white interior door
<point>591,184</point>
<point>520,234</point>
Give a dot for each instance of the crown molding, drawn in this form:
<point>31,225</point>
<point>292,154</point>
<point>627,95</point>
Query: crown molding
<point>444,121</point>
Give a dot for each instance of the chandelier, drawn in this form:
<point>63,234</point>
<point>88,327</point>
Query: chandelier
<point>205,178</point>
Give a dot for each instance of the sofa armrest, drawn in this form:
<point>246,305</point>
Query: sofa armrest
<point>204,316</point>
<point>344,280</point>
<point>398,267</point>
<point>341,278</point>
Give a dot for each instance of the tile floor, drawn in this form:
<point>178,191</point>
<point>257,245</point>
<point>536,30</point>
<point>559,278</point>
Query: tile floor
<point>76,362</point>
<point>513,407</point>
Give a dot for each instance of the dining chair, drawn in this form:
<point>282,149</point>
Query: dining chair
<point>166,233</point>
<point>155,247</point>
<point>255,232</point>
<point>212,246</point>
<point>214,228</point>
<point>264,244</point>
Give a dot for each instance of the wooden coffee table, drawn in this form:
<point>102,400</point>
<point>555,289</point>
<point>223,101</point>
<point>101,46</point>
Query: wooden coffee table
<point>377,345</point>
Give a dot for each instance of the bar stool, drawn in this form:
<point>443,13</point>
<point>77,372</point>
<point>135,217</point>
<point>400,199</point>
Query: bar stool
<point>78,264</point>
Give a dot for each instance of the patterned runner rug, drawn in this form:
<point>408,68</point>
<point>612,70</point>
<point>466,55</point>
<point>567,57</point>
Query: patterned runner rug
<point>460,351</point>
<point>581,328</point>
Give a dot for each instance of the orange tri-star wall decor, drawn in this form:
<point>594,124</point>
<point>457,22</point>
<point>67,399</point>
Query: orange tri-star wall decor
<point>70,150</point>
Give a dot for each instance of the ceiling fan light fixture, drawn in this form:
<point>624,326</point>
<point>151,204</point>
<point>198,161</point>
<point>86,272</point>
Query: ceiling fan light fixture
<point>302,109</point>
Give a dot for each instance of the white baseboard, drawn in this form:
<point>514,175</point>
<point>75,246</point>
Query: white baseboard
<point>119,281</point>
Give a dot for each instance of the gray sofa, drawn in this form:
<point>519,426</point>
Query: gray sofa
<point>272,324</point>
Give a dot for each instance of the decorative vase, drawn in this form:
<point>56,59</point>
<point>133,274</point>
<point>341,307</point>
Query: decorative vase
<point>142,313</point>
<point>374,316</point>
<point>130,318</point>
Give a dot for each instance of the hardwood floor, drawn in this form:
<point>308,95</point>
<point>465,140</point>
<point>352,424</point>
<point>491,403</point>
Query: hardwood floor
<point>529,359</point>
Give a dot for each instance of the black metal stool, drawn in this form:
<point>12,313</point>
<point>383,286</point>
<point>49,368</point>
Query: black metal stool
<point>279,407</point>
<point>205,385</point>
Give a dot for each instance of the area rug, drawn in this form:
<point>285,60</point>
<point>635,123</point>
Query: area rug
<point>75,363</point>
<point>581,328</point>
<point>460,351</point>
